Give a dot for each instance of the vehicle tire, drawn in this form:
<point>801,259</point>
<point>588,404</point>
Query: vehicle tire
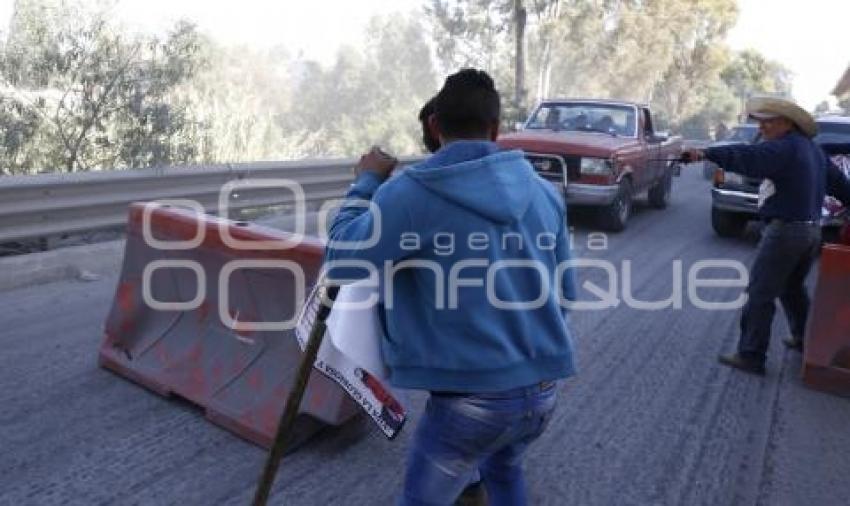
<point>617,213</point>
<point>728,224</point>
<point>659,195</point>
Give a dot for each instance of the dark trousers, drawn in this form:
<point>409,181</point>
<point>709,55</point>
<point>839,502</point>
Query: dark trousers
<point>785,256</point>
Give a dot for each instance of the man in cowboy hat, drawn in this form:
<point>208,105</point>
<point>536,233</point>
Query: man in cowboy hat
<point>797,175</point>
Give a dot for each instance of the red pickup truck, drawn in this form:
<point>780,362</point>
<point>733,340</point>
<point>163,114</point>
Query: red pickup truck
<point>602,153</point>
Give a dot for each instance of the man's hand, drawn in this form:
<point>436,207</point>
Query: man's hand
<point>693,155</point>
<point>377,162</point>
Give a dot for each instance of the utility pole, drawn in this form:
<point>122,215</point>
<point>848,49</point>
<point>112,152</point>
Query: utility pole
<point>520,18</point>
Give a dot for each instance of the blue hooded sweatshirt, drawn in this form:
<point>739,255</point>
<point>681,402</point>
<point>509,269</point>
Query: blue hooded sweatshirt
<point>447,236</point>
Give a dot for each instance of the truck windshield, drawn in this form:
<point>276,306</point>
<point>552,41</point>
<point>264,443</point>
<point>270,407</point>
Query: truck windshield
<point>585,117</point>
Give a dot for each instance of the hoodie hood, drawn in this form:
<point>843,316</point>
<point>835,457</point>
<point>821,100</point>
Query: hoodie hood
<point>477,176</point>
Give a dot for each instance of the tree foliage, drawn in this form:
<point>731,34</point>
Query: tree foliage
<point>80,92</point>
<point>101,98</point>
<point>750,73</point>
<point>240,105</point>
<point>670,53</point>
<point>371,96</point>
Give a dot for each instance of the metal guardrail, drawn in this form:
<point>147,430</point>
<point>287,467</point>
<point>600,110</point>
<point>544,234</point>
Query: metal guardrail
<point>51,204</point>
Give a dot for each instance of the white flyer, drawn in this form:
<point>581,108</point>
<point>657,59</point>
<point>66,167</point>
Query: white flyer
<point>350,354</point>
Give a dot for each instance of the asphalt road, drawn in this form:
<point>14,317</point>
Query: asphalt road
<point>651,418</point>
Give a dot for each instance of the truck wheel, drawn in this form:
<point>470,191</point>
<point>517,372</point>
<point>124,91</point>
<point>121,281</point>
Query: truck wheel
<point>728,224</point>
<point>615,216</point>
<point>659,195</point>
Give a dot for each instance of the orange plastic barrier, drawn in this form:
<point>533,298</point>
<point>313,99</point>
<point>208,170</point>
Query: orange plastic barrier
<point>229,353</point>
<point>826,360</point>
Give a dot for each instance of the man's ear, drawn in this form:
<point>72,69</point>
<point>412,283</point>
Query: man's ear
<point>434,129</point>
<point>494,131</point>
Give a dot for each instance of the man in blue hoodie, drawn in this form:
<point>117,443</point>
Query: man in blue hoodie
<point>472,250</point>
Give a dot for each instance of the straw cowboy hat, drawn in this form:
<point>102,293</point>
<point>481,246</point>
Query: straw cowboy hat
<point>771,107</point>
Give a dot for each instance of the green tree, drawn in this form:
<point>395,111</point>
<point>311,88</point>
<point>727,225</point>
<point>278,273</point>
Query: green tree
<point>240,106</point>
<point>718,106</point>
<point>650,50</point>
<point>471,33</point>
<point>483,34</point>
<point>368,97</point>
<point>104,99</point>
<point>689,92</point>
<point>750,73</point>
<point>19,124</point>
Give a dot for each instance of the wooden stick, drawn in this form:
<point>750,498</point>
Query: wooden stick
<point>293,401</point>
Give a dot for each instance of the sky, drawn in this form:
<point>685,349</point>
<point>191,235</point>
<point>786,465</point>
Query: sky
<point>809,37</point>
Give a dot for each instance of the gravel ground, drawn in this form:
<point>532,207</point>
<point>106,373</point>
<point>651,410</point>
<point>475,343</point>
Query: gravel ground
<point>651,418</point>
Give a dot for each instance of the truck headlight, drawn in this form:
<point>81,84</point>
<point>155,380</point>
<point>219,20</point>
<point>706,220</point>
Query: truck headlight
<point>596,166</point>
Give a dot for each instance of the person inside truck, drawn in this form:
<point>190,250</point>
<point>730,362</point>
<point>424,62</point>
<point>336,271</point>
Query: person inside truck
<point>580,122</point>
<point>800,174</point>
<point>604,124</point>
<point>553,119</point>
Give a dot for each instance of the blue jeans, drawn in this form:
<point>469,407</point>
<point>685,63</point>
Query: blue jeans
<point>463,436</point>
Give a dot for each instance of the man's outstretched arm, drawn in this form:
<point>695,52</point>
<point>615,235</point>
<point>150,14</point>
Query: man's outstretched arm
<point>758,160</point>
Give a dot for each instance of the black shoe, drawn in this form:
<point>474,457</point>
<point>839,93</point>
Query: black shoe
<point>793,343</point>
<point>473,495</point>
<point>745,364</point>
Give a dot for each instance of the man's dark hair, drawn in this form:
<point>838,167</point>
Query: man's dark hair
<point>431,143</point>
<point>467,105</point>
